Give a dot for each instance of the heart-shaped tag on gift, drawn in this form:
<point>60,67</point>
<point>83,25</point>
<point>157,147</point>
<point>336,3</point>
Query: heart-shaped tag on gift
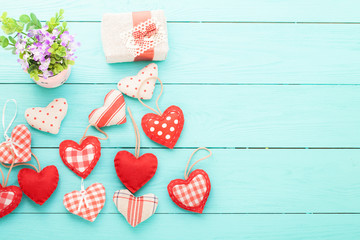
<point>10,198</point>
<point>39,185</point>
<point>130,85</point>
<point>81,159</point>
<point>86,203</point>
<point>48,119</point>
<point>111,113</point>
<point>135,171</point>
<point>163,128</point>
<point>192,193</point>
<point>135,209</point>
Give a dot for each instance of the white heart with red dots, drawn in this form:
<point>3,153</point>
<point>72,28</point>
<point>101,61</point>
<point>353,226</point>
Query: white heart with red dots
<point>130,85</point>
<point>48,119</point>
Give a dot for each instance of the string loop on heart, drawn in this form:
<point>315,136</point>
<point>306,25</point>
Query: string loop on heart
<point>83,196</point>
<point>157,100</point>
<point>137,135</point>
<point>186,174</point>
<point>8,140</point>
<point>12,165</point>
<point>97,128</point>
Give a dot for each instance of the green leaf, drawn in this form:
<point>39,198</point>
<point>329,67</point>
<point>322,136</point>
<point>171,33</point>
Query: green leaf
<point>12,39</point>
<point>61,11</point>
<point>4,15</point>
<point>4,42</point>
<point>33,17</point>
<point>24,18</point>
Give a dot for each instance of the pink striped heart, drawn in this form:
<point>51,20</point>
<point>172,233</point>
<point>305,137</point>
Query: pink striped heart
<point>111,113</point>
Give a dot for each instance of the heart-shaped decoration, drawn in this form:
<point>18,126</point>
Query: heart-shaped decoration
<point>130,85</point>
<point>39,186</point>
<point>21,139</point>
<point>135,172</point>
<point>10,198</point>
<point>47,119</point>
<point>164,129</point>
<point>135,209</point>
<point>191,194</point>
<point>87,203</point>
<point>81,159</point>
<point>111,113</point>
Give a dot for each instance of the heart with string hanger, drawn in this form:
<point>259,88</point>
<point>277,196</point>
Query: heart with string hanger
<point>165,127</point>
<point>134,171</point>
<point>192,192</point>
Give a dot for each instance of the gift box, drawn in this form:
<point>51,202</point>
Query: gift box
<point>134,36</point>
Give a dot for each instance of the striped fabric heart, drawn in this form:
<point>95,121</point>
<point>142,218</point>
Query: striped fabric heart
<point>21,143</point>
<point>135,209</point>
<point>111,113</point>
<point>86,203</point>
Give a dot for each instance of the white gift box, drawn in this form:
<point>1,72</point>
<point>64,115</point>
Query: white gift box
<point>134,36</point>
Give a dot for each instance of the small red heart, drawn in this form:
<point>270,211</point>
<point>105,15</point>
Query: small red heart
<point>39,186</point>
<point>191,194</point>
<point>10,198</point>
<point>135,172</point>
<point>81,159</point>
<point>164,129</point>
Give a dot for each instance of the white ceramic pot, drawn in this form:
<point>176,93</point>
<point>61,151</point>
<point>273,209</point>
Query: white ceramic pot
<point>54,81</point>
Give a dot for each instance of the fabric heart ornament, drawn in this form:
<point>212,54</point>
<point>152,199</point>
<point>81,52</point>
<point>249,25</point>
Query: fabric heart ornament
<point>20,142</point>
<point>86,203</point>
<point>135,172</point>
<point>48,119</point>
<point>135,209</point>
<point>192,193</point>
<point>111,113</point>
<point>39,186</point>
<point>10,198</point>
<point>81,159</point>
<point>130,85</point>
<point>166,128</point>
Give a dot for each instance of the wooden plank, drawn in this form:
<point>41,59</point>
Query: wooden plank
<point>225,53</point>
<point>269,227</point>
<point>223,116</point>
<point>200,10</point>
<point>243,181</point>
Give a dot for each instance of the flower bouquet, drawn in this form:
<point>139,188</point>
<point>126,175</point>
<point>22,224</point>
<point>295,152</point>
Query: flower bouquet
<point>45,52</point>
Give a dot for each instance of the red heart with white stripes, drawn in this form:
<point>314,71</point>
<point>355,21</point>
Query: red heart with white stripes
<point>191,194</point>
<point>164,129</point>
<point>81,159</point>
<point>10,198</point>
<point>111,113</point>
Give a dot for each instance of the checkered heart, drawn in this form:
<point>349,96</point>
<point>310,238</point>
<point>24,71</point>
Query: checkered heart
<point>130,85</point>
<point>21,139</point>
<point>81,159</point>
<point>191,194</point>
<point>10,198</point>
<point>87,203</point>
<point>135,209</point>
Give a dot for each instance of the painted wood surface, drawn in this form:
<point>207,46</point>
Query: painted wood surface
<point>260,81</point>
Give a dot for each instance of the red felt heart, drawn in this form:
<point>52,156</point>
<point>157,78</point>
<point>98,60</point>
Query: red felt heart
<point>39,186</point>
<point>191,194</point>
<point>135,172</point>
<point>81,159</point>
<point>10,197</point>
<point>164,129</point>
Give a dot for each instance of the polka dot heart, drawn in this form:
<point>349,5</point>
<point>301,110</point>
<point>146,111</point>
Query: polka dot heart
<point>164,129</point>
<point>48,119</point>
<point>130,85</point>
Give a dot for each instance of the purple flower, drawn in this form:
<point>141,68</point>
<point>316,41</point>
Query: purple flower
<point>47,74</point>
<point>66,38</point>
<point>44,65</point>
<point>20,46</point>
<point>24,64</point>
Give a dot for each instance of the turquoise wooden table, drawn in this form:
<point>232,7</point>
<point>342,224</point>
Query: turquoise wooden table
<point>277,95</point>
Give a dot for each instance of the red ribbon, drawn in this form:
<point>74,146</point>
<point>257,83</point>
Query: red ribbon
<point>139,17</point>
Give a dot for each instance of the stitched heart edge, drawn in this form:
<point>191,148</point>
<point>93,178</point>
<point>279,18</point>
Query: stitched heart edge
<point>15,202</point>
<point>199,208</point>
<point>69,143</point>
<point>154,137</point>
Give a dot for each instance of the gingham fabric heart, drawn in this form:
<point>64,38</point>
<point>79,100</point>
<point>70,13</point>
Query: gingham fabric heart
<point>130,85</point>
<point>81,159</point>
<point>47,119</point>
<point>111,113</point>
<point>21,139</point>
<point>191,194</point>
<point>135,209</point>
<point>10,198</point>
<point>92,200</point>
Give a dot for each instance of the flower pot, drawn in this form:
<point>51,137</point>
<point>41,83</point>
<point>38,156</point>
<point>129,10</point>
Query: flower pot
<point>54,81</point>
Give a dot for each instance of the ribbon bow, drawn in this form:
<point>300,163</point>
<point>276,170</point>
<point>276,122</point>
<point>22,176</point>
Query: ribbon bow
<point>83,196</point>
<point>149,31</point>
<point>8,139</point>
